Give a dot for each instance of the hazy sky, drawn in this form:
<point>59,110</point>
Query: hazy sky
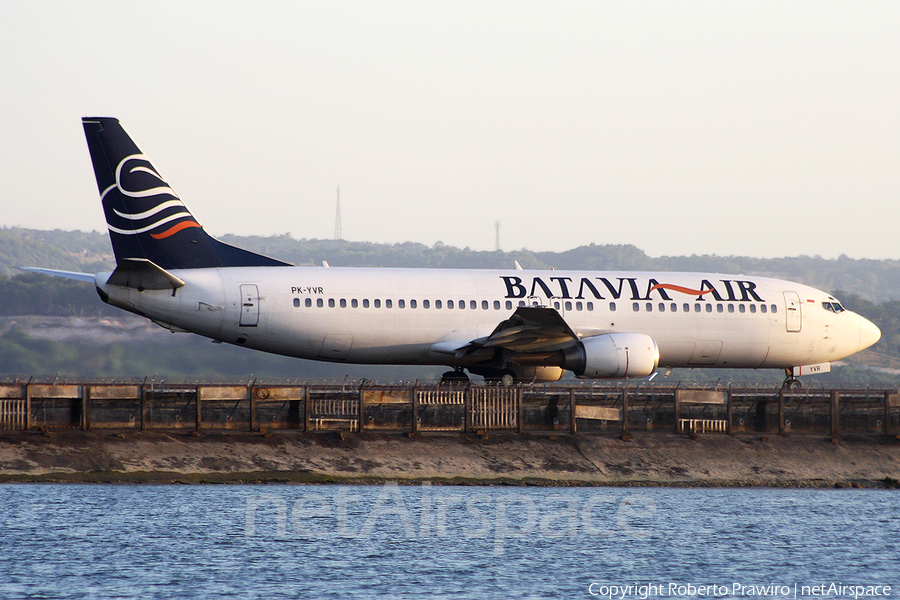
<point>746,128</point>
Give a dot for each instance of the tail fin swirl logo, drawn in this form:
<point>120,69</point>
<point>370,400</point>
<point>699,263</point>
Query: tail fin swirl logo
<point>148,201</point>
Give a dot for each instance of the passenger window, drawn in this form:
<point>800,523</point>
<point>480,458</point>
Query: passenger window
<point>579,306</point>
<point>343,303</point>
<point>331,303</point>
<point>388,303</point>
<point>309,303</point>
<point>437,304</point>
<point>635,307</point>
<point>473,305</point>
<point>774,308</point>
<point>365,303</point>
<point>731,308</point>
<point>449,303</point>
<point>709,308</point>
<point>461,304</point>
<point>686,307</point>
<point>319,302</point>
<point>568,306</point>
<point>521,303</point>
<point>496,305</point>
<point>649,307</point>
<point>556,305</point>
<point>720,308</point>
<point>426,304</point>
<point>354,303</point>
<point>752,308</point>
<point>673,307</point>
<point>412,303</point>
<point>296,302</point>
<point>696,308</point>
<point>377,303</point>
<point>742,308</point>
<point>762,308</point>
<point>662,307</point>
<point>401,303</point>
<point>484,305</point>
<point>508,305</point>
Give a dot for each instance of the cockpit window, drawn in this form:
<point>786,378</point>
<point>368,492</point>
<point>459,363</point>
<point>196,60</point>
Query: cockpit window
<point>834,307</point>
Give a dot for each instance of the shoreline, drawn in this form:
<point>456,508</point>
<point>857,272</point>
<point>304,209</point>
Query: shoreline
<point>645,459</point>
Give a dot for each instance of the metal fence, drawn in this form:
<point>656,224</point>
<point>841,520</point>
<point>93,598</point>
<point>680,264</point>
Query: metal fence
<point>416,408</point>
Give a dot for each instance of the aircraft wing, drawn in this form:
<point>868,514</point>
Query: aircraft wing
<point>529,329</point>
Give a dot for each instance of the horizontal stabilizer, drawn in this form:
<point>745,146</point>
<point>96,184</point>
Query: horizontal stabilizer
<point>142,274</point>
<point>66,274</point>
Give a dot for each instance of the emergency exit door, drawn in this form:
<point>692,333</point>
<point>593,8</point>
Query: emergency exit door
<point>249,305</point>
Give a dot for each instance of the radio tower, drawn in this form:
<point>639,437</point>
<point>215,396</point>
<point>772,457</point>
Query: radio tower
<point>337,217</point>
<point>497,237</point>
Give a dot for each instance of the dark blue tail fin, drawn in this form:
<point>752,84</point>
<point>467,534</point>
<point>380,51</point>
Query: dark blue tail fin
<point>146,219</point>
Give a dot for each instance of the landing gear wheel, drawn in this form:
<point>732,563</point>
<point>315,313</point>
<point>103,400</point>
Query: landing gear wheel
<point>454,378</point>
<point>792,384</point>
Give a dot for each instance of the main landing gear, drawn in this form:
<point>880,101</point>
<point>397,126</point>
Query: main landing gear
<point>455,377</point>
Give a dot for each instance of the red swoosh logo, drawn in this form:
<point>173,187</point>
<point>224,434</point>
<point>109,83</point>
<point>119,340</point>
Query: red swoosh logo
<point>678,288</point>
<point>174,229</point>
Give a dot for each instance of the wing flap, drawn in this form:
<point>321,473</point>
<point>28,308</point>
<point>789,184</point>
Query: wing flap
<point>529,329</point>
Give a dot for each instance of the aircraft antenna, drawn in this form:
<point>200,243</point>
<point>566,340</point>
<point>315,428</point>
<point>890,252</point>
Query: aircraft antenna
<point>338,235</point>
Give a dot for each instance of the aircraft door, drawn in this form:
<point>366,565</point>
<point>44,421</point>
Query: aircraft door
<point>561,305</point>
<point>249,305</point>
<point>793,317</point>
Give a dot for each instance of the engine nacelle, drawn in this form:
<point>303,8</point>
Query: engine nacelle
<point>613,355</point>
<point>538,374</point>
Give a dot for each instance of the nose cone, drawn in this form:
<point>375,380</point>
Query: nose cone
<point>868,333</point>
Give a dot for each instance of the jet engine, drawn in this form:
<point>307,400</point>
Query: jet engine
<point>613,355</point>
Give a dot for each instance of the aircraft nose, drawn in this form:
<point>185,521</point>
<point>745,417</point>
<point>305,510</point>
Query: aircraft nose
<point>868,333</point>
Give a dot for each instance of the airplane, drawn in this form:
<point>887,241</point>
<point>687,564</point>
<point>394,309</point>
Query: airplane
<point>504,325</point>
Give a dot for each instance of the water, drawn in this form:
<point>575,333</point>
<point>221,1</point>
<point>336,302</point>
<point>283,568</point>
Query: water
<point>270,541</point>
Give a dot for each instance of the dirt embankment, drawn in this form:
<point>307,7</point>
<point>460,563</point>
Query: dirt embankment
<point>645,459</point>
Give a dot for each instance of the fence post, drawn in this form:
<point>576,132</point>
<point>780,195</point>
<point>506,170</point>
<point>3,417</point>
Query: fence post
<point>678,428</point>
<point>468,404</point>
<point>197,403</point>
<point>729,412</point>
<point>145,417</point>
<point>306,404</point>
<point>28,405</point>
<point>254,425</point>
<point>521,406</point>
<point>86,407</point>
<point>361,410</point>
<point>835,414</point>
<point>781,426</point>
<point>625,411</point>
<point>573,427</point>
<point>887,413</point>
<point>414,400</point>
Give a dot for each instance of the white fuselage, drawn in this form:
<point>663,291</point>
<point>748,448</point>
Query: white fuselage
<point>396,316</point>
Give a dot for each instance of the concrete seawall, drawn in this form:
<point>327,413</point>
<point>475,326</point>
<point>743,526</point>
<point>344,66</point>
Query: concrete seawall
<point>643,459</point>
